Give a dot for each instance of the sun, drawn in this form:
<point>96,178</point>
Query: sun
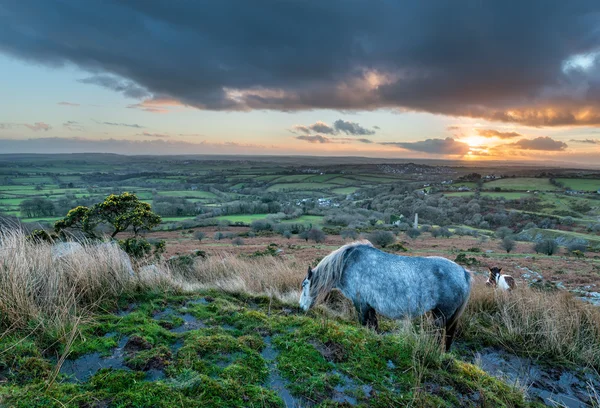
<point>474,141</point>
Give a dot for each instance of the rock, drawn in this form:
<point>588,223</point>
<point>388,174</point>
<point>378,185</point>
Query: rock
<point>124,258</point>
<point>63,249</point>
<point>150,270</point>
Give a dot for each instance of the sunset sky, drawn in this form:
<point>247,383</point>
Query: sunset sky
<point>474,80</point>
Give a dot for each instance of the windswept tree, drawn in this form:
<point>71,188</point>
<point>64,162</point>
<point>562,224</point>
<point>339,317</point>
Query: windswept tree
<point>117,212</point>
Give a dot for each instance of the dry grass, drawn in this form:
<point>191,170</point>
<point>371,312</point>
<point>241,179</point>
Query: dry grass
<point>535,323</point>
<point>37,291</point>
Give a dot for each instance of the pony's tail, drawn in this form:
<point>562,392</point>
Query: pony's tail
<point>452,322</point>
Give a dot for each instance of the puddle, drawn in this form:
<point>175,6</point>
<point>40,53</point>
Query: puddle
<point>201,301</point>
<point>124,312</point>
<point>554,387</point>
<point>165,314</point>
<point>342,392</point>
<point>189,323</point>
<point>86,366</point>
<point>275,381</point>
<point>154,375</point>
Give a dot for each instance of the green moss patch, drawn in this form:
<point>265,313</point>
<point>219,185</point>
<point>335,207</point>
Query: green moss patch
<point>244,352</point>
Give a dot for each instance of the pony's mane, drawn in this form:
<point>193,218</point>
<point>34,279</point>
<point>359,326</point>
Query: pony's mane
<point>329,271</point>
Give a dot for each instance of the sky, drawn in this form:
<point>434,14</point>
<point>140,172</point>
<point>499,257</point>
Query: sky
<point>465,80</point>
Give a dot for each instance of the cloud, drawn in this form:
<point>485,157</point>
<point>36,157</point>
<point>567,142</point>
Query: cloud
<point>37,126</point>
<point>319,127</point>
<point>132,125</point>
<point>365,140</point>
<point>541,69</point>
<point>155,105</point>
<point>73,126</point>
<point>68,104</point>
<point>148,134</point>
<point>539,143</point>
<point>447,146</point>
<point>588,141</point>
<point>128,88</point>
<point>351,128</point>
<point>123,146</point>
<point>496,133</point>
<point>315,139</point>
<point>339,126</point>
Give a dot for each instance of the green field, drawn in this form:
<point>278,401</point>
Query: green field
<point>507,195</point>
<point>300,186</point>
<point>345,190</point>
<point>580,184</point>
<point>245,218</point>
<point>521,184</point>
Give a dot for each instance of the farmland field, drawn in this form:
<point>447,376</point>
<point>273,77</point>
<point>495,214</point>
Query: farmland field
<point>581,184</point>
<point>521,184</point>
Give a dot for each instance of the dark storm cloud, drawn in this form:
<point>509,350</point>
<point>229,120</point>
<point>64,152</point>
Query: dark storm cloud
<point>539,143</point>
<point>491,60</point>
<point>434,146</point>
<point>496,133</point>
<point>588,141</point>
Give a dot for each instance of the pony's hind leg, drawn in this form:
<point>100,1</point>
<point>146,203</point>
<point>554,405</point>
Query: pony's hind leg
<point>367,316</point>
<point>371,319</point>
<point>440,322</point>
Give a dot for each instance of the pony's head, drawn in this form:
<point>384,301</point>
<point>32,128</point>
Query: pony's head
<point>306,298</point>
<point>494,274</point>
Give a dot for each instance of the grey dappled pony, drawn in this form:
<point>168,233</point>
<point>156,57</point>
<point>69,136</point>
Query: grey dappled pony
<point>392,285</point>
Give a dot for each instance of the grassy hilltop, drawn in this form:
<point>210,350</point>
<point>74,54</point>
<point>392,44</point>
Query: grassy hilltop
<point>167,339</point>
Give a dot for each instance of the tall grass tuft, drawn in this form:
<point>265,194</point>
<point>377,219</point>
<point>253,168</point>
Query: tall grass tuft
<point>37,290</point>
<point>539,324</point>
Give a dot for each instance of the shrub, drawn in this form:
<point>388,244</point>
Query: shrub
<point>199,235</point>
<point>508,244</point>
<point>316,235</point>
<point>261,225</point>
<point>237,241</point>
<point>38,236</point>
<point>503,232</point>
<point>464,260</point>
<point>398,247</point>
<point>547,246</point>
<point>136,247</point>
<point>441,232</point>
<point>413,233</point>
<point>349,234</point>
<point>287,234</point>
<point>218,236</point>
<point>382,238</point>
<point>577,245</point>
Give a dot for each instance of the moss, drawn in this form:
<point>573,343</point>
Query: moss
<point>157,358</point>
<point>221,365</point>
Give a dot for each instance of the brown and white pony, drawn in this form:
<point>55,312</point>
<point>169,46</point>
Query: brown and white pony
<point>503,282</point>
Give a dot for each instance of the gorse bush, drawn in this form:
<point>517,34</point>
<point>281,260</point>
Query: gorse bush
<point>382,238</point>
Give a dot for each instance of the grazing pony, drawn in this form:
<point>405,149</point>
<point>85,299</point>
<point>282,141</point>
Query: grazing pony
<point>504,282</point>
<point>392,285</point>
